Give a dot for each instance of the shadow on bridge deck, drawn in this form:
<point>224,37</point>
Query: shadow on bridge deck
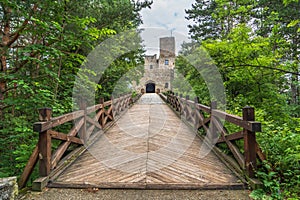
<point>148,147</point>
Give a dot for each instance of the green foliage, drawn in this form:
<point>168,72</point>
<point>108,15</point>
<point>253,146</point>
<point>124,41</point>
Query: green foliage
<point>205,26</point>
<point>48,42</point>
<point>256,49</point>
<point>280,141</point>
<point>17,133</point>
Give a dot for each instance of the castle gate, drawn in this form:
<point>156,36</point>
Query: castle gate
<point>150,88</point>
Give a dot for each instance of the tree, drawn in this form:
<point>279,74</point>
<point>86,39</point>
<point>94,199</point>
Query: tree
<point>258,57</point>
<point>43,44</point>
<point>215,18</point>
<point>205,25</point>
<point>279,20</point>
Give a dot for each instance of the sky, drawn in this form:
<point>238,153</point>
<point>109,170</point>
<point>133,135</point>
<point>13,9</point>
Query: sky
<point>165,18</point>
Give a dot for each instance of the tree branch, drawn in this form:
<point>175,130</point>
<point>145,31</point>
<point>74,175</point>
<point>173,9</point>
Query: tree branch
<point>22,27</point>
<point>8,89</point>
<point>32,54</point>
<point>4,107</point>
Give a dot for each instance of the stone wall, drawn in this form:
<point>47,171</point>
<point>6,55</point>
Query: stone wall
<point>159,71</point>
<point>8,188</point>
<point>167,47</point>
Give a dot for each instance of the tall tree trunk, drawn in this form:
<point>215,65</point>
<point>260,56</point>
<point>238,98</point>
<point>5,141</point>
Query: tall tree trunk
<point>4,51</point>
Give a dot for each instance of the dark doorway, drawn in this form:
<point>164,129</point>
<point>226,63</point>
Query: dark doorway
<point>150,88</point>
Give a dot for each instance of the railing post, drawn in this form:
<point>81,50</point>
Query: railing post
<point>196,117</point>
<point>112,107</point>
<point>186,109</point>
<point>127,98</point>
<point>44,144</point>
<point>82,132</point>
<point>101,118</point>
<point>212,127</point>
<point>180,104</point>
<point>249,143</point>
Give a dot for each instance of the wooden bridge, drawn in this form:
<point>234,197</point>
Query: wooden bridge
<point>151,141</point>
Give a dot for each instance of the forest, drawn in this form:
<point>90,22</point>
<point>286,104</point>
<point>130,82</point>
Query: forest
<point>43,45</point>
<point>255,45</point>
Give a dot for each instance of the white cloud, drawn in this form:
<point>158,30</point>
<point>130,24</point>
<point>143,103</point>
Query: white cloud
<point>164,17</point>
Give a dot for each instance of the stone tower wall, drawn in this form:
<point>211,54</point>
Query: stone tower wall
<point>167,47</point>
<point>159,71</point>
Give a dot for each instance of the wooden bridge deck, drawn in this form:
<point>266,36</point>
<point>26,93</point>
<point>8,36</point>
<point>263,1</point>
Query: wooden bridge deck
<point>149,147</point>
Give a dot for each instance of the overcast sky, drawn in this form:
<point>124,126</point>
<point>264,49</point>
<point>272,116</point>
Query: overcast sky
<point>164,17</point>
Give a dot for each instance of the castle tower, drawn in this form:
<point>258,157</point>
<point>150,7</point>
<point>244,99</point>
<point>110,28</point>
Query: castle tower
<point>158,73</point>
<point>167,52</point>
<point>167,47</point>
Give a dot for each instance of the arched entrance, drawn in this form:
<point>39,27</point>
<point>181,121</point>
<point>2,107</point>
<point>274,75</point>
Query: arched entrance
<point>150,88</point>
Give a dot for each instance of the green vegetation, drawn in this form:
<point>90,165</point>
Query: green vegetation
<point>42,45</point>
<point>255,45</point>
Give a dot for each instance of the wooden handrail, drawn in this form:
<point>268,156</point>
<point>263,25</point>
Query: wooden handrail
<point>86,120</point>
<point>194,114</point>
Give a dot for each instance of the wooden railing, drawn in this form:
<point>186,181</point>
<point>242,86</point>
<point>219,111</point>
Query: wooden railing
<point>209,119</point>
<point>86,121</point>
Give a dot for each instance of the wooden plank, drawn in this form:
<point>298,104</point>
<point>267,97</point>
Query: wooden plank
<point>107,103</point>
<point>212,134</point>
<point>64,146</point>
<point>43,126</point>
<point>196,186</point>
<point>64,137</point>
<point>234,150</point>
<point>230,162</point>
<point>203,108</point>
<point>82,131</point>
<point>29,167</point>
<point>137,153</point>
<point>40,183</point>
<point>44,146</point>
<point>90,130</point>
<point>250,145</point>
<point>93,122</point>
<point>249,125</point>
<point>98,116</point>
<point>163,97</point>
<point>66,118</point>
<point>233,136</point>
<point>94,108</point>
<point>98,106</point>
<point>103,185</point>
<point>109,113</point>
<point>142,186</point>
<point>65,162</point>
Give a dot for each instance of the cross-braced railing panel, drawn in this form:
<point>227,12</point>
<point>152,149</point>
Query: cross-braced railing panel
<point>87,121</point>
<point>209,119</point>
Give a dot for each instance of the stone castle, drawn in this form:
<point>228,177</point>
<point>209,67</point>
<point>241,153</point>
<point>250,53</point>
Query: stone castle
<point>158,72</point>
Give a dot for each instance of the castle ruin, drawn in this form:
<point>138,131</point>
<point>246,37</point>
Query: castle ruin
<point>159,72</point>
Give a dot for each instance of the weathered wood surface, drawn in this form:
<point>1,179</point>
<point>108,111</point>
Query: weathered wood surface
<point>86,121</point>
<point>149,147</point>
<point>210,120</point>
